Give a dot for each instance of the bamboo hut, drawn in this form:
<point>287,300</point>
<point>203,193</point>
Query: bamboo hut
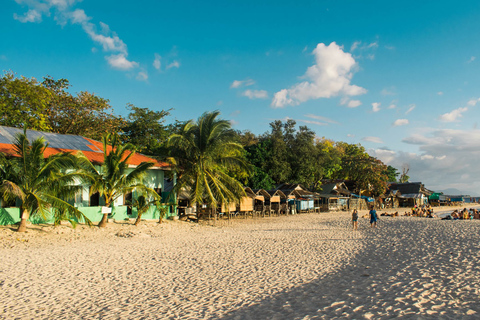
<point>262,202</point>
<point>278,202</point>
<point>247,203</point>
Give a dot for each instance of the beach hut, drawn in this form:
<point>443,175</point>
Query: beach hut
<point>335,195</point>
<point>412,193</point>
<point>247,203</point>
<point>262,202</point>
<point>438,199</point>
<point>278,202</point>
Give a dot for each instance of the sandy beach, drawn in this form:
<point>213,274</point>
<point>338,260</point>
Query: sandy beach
<point>308,266</point>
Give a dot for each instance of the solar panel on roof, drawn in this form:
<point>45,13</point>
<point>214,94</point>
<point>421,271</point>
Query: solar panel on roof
<point>55,140</point>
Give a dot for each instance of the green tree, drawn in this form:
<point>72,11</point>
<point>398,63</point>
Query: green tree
<point>40,184</point>
<point>258,155</point>
<point>23,103</point>
<point>146,129</point>
<point>392,174</point>
<point>85,114</point>
<point>366,171</point>
<point>204,151</point>
<point>278,164</point>
<point>114,178</point>
<point>303,158</point>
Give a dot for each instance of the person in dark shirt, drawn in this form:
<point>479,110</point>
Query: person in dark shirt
<point>373,217</point>
<point>355,219</point>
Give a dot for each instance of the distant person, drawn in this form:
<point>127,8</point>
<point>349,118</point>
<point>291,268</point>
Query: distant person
<point>373,217</point>
<point>355,219</point>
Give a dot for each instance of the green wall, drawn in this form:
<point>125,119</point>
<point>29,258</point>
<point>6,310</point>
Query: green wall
<point>10,216</point>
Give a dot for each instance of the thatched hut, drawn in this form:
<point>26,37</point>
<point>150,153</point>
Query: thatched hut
<point>262,202</point>
<point>278,202</point>
<point>247,203</point>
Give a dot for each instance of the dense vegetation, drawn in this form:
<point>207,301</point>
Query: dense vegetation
<point>284,153</point>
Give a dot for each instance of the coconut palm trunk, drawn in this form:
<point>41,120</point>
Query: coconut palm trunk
<point>22,227</point>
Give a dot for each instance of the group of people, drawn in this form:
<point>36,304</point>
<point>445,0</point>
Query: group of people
<point>464,214</point>
<point>423,211</point>
<point>373,218</point>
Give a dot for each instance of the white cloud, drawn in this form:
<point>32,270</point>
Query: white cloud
<point>392,106</point>
<point>109,42</point>
<point>330,76</point>
<point>472,58</point>
<point>412,106</point>
<point>64,12</point>
<point>350,103</point>
<point>318,123</point>
<point>400,122</point>
<point>354,103</point>
<point>242,83</point>
<point>142,76</point>
<point>120,61</point>
<point>372,139</point>
<point>355,45</point>
<point>376,106</point>
<point>388,91</point>
<point>440,93</point>
<point>325,119</point>
<point>255,94</point>
<point>453,116</point>
<point>174,64</point>
<point>446,159</point>
<point>157,61</point>
<point>78,16</point>
<point>31,15</point>
<point>473,102</point>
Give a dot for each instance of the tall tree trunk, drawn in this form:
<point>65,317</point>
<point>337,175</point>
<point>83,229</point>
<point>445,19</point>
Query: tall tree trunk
<point>22,227</point>
<point>137,221</point>
<point>103,222</point>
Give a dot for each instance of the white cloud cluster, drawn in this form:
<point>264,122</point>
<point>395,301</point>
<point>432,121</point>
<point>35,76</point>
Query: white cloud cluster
<point>367,49</point>
<point>454,115</point>
<point>255,94</point>
<point>330,76</point>
<point>157,63</point>
<point>400,122</point>
<point>411,108</point>
<point>376,106</point>
<point>324,120</point>
<point>64,12</point>
<point>372,139</point>
<point>174,64</point>
<point>249,93</point>
<point>242,83</point>
<point>447,159</point>
<point>345,101</point>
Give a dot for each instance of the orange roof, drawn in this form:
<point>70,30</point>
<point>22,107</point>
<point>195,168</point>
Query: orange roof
<point>95,155</point>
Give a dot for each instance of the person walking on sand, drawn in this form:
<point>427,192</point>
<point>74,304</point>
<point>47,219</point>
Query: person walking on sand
<point>355,219</point>
<point>373,217</point>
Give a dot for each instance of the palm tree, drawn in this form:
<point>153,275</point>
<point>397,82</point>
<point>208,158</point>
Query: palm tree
<point>114,178</point>
<point>142,205</point>
<point>205,152</point>
<point>39,183</point>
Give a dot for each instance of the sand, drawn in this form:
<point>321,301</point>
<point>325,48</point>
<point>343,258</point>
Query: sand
<point>308,266</point>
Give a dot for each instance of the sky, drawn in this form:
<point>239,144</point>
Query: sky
<point>399,77</point>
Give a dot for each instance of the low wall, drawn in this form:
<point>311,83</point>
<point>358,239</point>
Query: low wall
<point>10,216</point>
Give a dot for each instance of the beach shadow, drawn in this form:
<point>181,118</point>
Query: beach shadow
<point>385,280</point>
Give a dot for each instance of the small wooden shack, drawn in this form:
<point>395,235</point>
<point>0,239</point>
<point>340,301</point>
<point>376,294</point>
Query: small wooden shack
<point>247,203</point>
<point>278,202</point>
<point>262,202</point>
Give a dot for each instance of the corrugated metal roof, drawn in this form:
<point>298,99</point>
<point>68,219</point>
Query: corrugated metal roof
<point>58,143</point>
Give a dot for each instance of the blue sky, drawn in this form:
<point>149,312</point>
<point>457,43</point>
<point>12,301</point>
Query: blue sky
<point>399,77</point>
